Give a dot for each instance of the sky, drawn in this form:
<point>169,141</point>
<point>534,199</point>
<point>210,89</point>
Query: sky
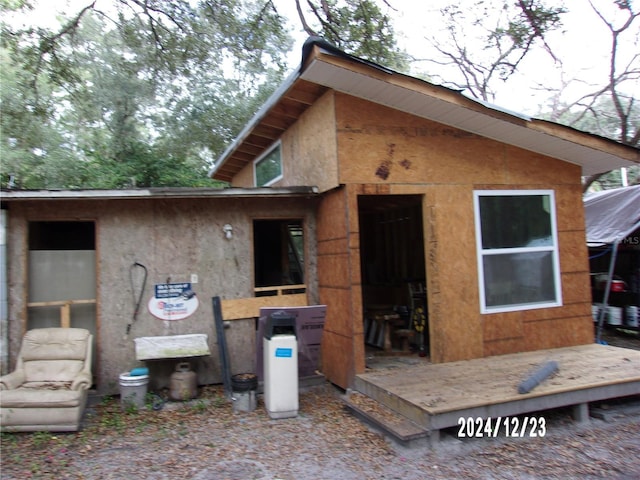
<point>583,45</point>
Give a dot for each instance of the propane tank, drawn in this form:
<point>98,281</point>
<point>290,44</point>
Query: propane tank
<point>182,385</point>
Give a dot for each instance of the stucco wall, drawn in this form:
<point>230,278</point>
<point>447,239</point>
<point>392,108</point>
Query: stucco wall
<point>173,238</point>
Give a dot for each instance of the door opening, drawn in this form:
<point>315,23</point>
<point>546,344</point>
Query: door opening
<point>394,295</point>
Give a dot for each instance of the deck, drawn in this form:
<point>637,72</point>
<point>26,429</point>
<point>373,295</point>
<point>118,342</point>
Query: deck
<point>435,396</point>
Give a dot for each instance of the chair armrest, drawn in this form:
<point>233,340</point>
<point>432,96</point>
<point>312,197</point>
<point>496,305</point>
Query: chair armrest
<point>81,381</point>
<point>12,381</point>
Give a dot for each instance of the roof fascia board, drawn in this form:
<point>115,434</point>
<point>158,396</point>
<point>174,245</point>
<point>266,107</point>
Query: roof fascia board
<point>542,133</point>
<point>191,193</point>
<point>256,119</point>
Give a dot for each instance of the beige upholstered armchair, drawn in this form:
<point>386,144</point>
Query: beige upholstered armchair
<point>47,391</point>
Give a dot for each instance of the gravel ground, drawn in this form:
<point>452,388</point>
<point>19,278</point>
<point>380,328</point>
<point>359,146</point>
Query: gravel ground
<point>204,439</point>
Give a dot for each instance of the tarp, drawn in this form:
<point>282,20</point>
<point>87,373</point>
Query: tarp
<point>612,215</point>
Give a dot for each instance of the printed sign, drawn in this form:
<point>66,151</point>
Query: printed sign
<point>173,301</point>
<point>284,352</point>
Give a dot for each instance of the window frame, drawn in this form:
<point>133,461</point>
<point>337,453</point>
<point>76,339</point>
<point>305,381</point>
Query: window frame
<point>276,146</point>
<point>481,252</point>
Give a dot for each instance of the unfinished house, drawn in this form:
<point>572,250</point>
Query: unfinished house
<point>422,219</point>
<point>465,213</point>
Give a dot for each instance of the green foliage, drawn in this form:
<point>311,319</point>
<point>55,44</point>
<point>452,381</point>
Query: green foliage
<point>358,27</point>
<point>128,94</point>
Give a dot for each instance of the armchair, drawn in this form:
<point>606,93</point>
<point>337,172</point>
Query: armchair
<point>47,391</point>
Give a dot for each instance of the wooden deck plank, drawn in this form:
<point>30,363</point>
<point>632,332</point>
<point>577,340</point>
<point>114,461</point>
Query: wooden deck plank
<point>472,384</point>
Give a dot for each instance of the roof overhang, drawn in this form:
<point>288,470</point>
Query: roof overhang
<point>324,67</point>
<point>157,193</point>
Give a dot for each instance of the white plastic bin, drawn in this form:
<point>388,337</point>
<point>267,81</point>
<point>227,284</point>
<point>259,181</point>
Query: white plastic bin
<point>280,363</point>
<point>281,376</point>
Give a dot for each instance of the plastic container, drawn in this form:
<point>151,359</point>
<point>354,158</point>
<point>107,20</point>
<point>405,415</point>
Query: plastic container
<point>614,316</point>
<point>632,316</point>
<point>183,384</point>
<point>133,390</point>
<point>280,352</point>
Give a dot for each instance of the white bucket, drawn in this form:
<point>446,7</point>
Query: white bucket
<point>614,314</point>
<point>595,312</point>
<point>632,316</point>
<point>133,390</point>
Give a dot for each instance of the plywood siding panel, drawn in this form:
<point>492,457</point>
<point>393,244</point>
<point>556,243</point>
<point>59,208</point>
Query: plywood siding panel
<point>309,147</point>
<point>576,288</point>
<point>504,346</point>
<point>501,326</point>
<point>338,358</point>
<point>336,246</point>
<point>560,332</point>
<point>380,145</point>
<point>574,256</point>
<point>333,271</point>
<point>566,311</point>
<point>332,216</point>
<point>523,166</point>
<point>452,261</point>
<point>569,207</point>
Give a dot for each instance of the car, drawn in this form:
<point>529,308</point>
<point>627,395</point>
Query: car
<point>599,283</point>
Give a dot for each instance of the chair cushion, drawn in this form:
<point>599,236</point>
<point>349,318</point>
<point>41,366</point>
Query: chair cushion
<point>26,397</point>
<point>55,344</point>
<point>52,370</point>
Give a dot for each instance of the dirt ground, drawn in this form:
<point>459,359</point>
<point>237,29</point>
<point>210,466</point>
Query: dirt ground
<point>204,439</point>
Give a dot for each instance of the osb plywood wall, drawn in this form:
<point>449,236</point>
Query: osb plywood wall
<point>309,150</point>
<point>384,148</point>
<point>173,239</point>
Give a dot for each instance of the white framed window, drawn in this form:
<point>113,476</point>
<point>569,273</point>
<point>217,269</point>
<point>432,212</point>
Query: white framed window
<point>267,169</point>
<point>517,246</point>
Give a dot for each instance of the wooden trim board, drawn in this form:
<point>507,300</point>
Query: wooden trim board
<point>243,308</point>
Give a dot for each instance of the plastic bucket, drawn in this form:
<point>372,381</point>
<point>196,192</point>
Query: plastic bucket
<point>595,312</point>
<point>632,316</point>
<point>133,390</point>
<point>615,315</point>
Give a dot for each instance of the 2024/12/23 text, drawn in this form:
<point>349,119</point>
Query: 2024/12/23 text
<point>511,427</point>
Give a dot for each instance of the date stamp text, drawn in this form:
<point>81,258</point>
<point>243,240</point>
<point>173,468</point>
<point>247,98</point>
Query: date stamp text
<point>510,427</point>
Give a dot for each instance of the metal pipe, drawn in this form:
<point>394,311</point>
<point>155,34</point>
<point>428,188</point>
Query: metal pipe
<point>605,298</point>
<point>4,295</point>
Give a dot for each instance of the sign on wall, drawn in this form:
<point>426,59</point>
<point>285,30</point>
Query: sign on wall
<point>173,301</point>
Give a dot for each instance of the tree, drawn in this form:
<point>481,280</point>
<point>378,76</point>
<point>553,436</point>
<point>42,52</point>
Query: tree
<point>149,92</point>
<point>115,83</point>
<point>485,62</point>
<point>487,43</point>
<point>356,26</point>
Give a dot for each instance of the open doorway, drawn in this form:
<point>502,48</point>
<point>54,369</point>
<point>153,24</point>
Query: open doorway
<point>394,296</point>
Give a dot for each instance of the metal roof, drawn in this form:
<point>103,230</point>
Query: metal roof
<point>324,67</point>
<point>157,193</point>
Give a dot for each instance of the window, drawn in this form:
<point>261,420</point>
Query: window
<point>268,168</point>
<point>278,247</point>
<point>517,250</point>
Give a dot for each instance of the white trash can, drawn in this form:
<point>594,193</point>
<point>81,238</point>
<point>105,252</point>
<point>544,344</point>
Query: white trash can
<point>280,351</point>
<point>133,390</point>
